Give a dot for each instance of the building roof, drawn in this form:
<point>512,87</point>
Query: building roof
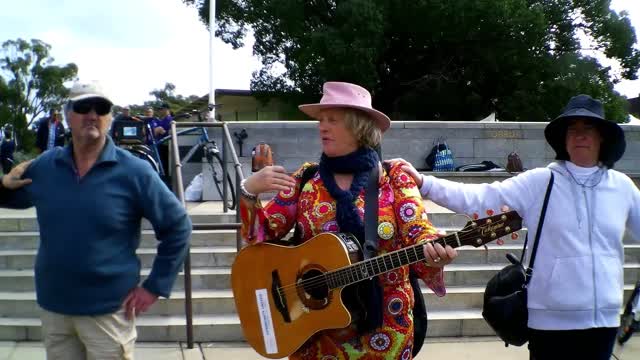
<point>233,92</point>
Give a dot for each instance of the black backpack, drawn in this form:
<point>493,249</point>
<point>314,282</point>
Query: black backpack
<point>420,319</point>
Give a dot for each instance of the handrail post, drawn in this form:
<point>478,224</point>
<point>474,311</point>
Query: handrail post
<point>238,199</point>
<point>179,189</point>
<point>225,193</point>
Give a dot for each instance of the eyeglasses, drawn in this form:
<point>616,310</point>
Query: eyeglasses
<point>101,106</point>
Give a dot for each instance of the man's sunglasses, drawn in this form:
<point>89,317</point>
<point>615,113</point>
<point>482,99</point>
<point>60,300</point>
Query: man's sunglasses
<point>101,106</point>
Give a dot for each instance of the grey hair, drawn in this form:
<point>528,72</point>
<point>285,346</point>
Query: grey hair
<point>363,127</point>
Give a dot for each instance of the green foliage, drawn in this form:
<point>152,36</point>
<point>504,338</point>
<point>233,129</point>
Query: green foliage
<point>435,59</point>
<point>178,103</point>
<point>22,156</point>
<point>30,85</point>
<point>37,84</point>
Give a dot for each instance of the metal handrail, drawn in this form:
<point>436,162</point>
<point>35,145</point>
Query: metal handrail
<point>227,145</point>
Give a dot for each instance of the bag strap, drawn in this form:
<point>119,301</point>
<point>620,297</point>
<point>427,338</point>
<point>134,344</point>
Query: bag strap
<point>371,214</point>
<point>529,270</point>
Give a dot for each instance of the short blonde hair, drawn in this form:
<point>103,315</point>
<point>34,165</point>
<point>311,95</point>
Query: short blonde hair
<point>362,127</point>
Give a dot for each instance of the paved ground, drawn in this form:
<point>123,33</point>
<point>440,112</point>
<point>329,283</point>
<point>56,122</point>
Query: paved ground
<point>450,349</point>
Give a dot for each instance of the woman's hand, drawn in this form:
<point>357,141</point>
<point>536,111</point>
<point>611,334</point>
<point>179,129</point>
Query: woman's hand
<point>408,168</point>
<point>269,178</point>
<point>438,256</point>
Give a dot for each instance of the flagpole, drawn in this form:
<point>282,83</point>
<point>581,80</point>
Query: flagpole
<point>212,37</point>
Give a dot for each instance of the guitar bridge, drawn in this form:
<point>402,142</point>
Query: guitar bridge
<point>279,297</point>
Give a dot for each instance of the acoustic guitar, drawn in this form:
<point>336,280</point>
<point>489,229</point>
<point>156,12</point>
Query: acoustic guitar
<point>285,294</point>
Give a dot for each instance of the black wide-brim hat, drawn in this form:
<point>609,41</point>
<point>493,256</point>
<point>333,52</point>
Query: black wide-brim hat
<point>586,107</point>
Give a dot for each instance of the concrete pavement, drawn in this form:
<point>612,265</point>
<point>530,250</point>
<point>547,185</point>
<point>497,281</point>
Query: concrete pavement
<point>442,348</point>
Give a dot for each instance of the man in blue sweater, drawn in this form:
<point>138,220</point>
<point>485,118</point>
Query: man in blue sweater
<point>90,199</point>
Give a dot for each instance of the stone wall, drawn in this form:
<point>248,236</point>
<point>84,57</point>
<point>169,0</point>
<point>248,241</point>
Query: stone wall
<point>295,142</point>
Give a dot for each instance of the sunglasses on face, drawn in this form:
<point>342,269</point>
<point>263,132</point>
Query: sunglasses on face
<point>101,106</point>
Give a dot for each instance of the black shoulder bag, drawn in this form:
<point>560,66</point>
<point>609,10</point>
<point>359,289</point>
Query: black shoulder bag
<point>505,298</point>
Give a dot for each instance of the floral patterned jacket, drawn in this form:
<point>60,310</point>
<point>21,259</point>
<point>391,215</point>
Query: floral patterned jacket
<point>402,221</point>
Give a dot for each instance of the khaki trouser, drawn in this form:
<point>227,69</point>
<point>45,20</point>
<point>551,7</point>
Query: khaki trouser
<point>103,337</point>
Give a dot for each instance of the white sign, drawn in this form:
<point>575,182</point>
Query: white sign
<point>264,310</point>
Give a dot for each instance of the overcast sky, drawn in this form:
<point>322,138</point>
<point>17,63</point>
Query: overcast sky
<point>135,46</point>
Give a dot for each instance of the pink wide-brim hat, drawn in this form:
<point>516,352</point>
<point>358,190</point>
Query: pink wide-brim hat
<point>346,95</point>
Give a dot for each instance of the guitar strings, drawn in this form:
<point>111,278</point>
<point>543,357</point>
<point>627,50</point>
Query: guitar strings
<point>320,281</point>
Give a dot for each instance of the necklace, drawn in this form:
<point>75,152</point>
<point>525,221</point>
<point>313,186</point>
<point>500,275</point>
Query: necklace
<point>591,181</point>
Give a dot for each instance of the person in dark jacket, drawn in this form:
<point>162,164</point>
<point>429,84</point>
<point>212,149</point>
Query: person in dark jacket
<point>7,149</point>
<point>91,197</point>
<point>50,132</point>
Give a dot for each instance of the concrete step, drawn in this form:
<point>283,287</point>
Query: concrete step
<point>24,240</point>
<point>223,256</point>
<point>227,327</point>
<point>210,256</point>
<point>30,223</point>
<point>220,302</point>
<point>217,278</point>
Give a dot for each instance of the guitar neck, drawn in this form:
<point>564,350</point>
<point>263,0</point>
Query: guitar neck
<point>384,263</point>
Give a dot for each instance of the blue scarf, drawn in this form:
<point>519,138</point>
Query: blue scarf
<point>359,163</point>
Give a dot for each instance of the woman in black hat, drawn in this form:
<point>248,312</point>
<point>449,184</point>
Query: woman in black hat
<point>575,293</point>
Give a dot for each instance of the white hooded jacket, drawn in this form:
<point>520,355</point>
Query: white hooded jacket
<point>578,273</point>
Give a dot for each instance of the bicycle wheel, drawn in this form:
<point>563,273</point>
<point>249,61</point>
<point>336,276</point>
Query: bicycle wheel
<point>627,324</point>
<point>215,162</point>
<point>141,152</point>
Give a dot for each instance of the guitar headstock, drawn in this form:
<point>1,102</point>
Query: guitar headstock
<point>479,232</point>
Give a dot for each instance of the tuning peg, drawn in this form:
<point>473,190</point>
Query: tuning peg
<point>490,212</point>
<point>475,216</point>
<point>515,236</point>
<point>504,208</point>
<point>500,242</point>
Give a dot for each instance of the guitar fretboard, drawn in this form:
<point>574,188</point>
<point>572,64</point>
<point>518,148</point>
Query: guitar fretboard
<point>384,263</point>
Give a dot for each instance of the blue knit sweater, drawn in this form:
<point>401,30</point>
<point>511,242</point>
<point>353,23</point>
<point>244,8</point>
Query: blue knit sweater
<point>90,229</point>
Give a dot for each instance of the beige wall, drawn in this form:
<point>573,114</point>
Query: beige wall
<point>248,108</point>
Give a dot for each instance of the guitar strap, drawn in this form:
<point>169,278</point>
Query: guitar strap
<point>370,289</point>
<point>370,248</point>
<point>364,298</point>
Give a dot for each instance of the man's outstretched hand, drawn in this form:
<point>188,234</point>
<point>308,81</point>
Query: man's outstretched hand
<point>13,180</point>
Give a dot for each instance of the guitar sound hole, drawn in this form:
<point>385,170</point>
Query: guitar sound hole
<point>315,288</point>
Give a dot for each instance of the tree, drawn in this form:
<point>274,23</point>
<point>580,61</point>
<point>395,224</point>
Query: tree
<point>164,94</point>
<point>178,103</point>
<point>434,59</point>
<point>36,83</point>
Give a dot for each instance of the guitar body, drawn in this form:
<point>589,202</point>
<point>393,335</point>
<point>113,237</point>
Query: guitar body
<point>285,294</point>
<point>276,317</point>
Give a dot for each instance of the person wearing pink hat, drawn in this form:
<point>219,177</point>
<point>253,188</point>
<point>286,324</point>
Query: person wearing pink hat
<point>332,200</point>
